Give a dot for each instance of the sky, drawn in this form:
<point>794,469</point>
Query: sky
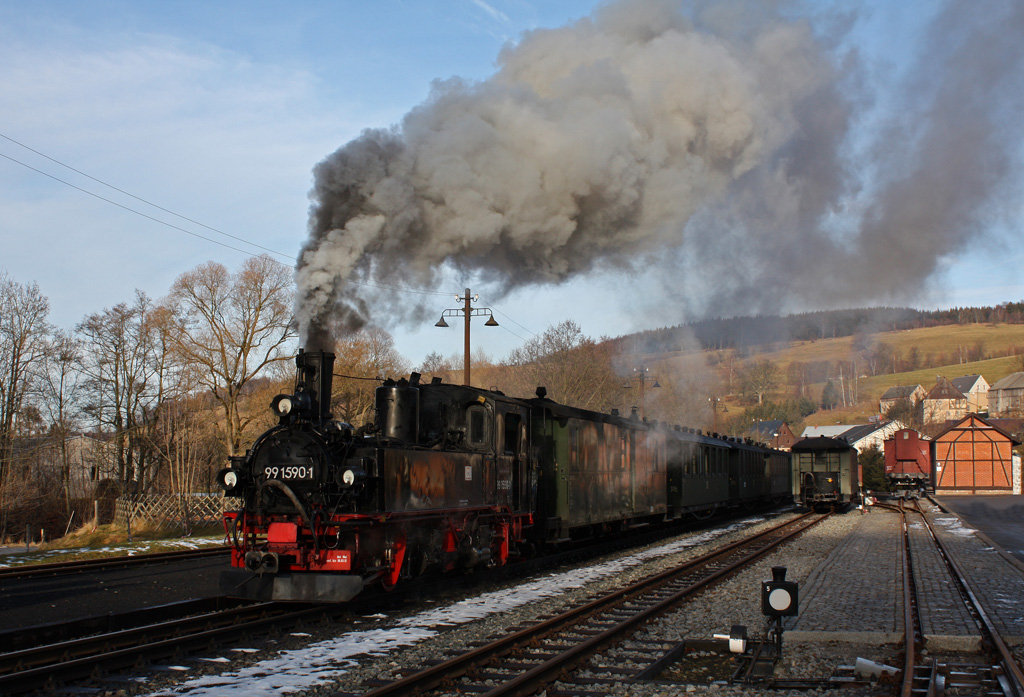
<point>826,152</point>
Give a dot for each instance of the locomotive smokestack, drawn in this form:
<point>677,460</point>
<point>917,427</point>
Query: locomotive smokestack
<point>314,374</point>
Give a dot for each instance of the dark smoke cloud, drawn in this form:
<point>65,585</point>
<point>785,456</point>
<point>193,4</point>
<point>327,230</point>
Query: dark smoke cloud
<point>709,144</point>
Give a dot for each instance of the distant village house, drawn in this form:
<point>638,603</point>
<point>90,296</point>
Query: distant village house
<point>975,388</point>
<point>775,434</point>
<point>911,394</point>
<point>944,402</point>
<point>1006,396</point>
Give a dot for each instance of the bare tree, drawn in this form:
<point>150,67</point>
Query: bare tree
<point>187,443</point>
<point>574,368</point>
<point>118,362</point>
<point>434,364</point>
<point>760,379</point>
<point>61,379</point>
<point>362,360</point>
<point>231,327</point>
<point>23,331</point>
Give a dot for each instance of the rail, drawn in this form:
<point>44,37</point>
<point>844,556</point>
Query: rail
<point>45,666</point>
<point>102,563</point>
<point>931,680</point>
<point>608,619</point>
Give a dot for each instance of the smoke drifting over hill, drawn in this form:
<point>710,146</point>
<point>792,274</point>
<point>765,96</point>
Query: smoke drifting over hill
<point>708,144</point>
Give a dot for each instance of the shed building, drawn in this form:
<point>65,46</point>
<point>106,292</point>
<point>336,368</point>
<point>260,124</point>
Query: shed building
<point>972,456</point>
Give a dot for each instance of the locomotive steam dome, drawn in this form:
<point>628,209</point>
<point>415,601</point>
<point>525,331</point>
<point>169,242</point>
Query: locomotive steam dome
<point>398,409</point>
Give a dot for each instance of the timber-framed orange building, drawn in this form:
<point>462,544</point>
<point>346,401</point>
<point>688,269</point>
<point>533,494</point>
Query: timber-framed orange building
<point>972,456</point>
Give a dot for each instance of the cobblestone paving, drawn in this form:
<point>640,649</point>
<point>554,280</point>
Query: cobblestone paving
<point>998,582</point>
<point>858,587</point>
<point>943,612</point>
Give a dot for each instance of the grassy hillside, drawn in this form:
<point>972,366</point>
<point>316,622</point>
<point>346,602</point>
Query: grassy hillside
<point>951,341</point>
<point>870,389</point>
<point>949,345</point>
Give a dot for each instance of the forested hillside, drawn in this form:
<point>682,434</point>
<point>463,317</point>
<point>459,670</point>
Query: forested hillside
<point>742,332</point>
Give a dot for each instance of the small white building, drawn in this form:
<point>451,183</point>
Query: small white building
<point>861,436</point>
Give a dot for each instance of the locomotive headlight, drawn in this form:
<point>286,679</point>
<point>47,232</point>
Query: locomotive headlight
<point>351,476</point>
<point>229,479</point>
<point>282,404</point>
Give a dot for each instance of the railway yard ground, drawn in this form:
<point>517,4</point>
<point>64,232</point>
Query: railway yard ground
<point>848,569</point>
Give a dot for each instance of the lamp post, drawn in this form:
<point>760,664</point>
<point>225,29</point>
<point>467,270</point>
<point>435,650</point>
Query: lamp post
<point>467,311</point>
<point>641,374</point>
<point>714,412</point>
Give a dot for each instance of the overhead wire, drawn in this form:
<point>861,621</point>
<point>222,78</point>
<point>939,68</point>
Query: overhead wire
<point>127,208</point>
<point>372,284</point>
<point>137,198</point>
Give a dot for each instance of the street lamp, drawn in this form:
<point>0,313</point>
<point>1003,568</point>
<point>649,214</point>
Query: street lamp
<point>714,412</point>
<point>641,374</point>
<point>467,312</point>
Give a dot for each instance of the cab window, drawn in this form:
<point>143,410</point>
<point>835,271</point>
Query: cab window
<point>476,427</point>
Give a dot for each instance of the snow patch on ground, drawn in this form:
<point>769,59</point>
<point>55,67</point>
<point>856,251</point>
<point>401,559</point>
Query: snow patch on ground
<point>955,526</point>
<point>17,556</point>
<point>318,663</point>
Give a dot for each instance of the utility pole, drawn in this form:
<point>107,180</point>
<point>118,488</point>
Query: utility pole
<point>714,413</point>
<point>641,374</point>
<point>467,311</point>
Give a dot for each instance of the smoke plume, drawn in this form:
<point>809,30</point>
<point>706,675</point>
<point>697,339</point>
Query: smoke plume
<point>710,145</point>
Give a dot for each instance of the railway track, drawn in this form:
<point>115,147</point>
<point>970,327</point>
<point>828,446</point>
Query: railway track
<point>104,563</point>
<point>95,646</point>
<point>162,632</point>
<point>1000,676</point>
<point>564,647</point>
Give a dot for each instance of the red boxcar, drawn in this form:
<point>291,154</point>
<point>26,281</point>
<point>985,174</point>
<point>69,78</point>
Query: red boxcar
<point>908,460</point>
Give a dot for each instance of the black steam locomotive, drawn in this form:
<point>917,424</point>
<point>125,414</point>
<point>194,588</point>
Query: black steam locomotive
<point>449,477</point>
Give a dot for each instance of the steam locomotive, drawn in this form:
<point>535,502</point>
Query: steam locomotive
<point>452,477</point>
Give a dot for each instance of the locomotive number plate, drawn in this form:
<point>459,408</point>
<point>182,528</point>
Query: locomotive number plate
<point>289,472</point>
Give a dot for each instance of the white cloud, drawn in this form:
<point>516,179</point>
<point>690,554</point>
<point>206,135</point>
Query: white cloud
<point>199,130</point>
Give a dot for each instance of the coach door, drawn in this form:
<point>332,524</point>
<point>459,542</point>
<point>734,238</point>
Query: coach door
<point>512,459</point>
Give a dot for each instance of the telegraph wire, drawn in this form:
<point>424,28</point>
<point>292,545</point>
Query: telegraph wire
<point>137,198</point>
<point>371,284</point>
<point>129,209</point>
<point>525,329</point>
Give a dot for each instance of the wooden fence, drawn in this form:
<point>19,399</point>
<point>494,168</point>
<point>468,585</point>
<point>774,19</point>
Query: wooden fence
<point>166,510</point>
